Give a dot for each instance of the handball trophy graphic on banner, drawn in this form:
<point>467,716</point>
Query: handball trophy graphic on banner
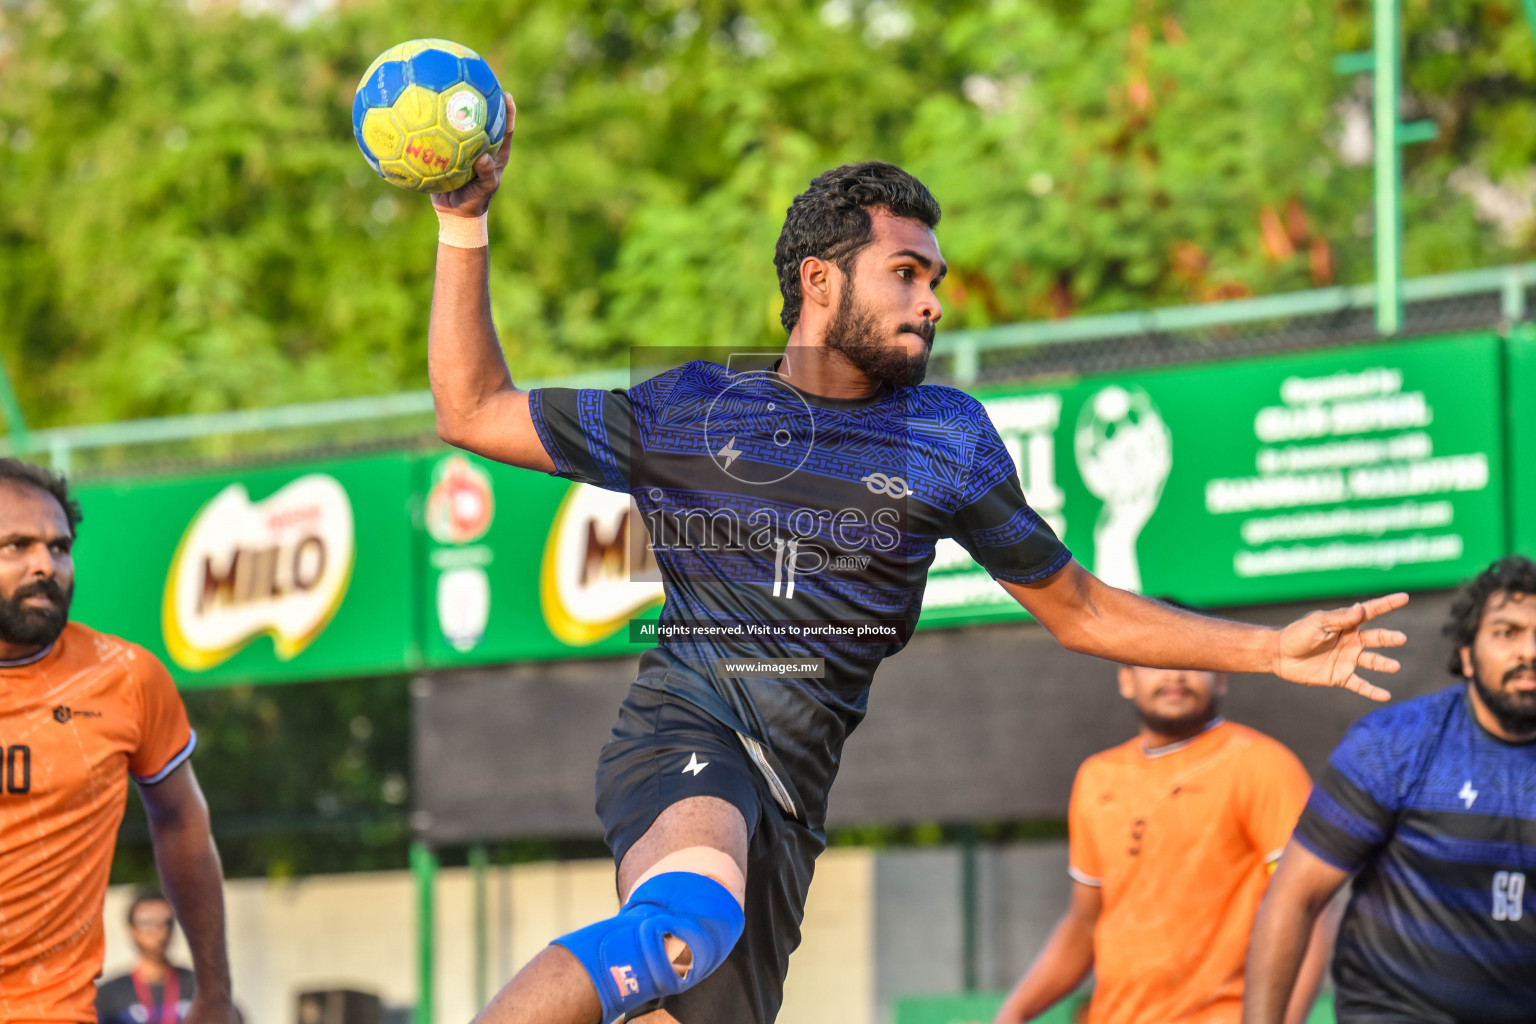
<point>1124,453</point>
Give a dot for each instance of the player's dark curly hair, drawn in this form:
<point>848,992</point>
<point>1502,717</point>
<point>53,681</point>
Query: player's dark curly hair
<point>14,471</point>
<point>1512,574</point>
<point>831,221</point>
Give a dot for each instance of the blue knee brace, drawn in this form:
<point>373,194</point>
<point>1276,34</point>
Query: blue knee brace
<point>626,954</point>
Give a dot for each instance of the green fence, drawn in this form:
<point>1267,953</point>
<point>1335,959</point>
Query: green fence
<point>1500,295</point>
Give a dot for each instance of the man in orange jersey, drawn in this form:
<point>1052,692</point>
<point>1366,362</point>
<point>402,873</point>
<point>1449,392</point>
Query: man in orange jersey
<point>1173,838</point>
<point>80,712</point>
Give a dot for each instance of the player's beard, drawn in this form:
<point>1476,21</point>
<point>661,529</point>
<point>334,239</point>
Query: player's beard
<point>1515,712</point>
<point>1180,727</point>
<point>855,332</point>
<point>27,626</point>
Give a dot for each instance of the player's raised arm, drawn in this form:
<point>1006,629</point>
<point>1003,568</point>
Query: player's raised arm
<point>478,407</point>
<point>1321,649</point>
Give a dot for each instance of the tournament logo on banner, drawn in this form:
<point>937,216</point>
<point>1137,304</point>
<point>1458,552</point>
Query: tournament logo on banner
<point>460,509</point>
<point>597,571</point>
<point>461,504</point>
<point>278,567</point>
<point>1124,452</point>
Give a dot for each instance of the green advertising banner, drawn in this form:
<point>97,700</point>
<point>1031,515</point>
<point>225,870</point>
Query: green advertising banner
<point>265,575</point>
<point>1348,471</point>
<point>1520,410</point>
<point>1341,472</point>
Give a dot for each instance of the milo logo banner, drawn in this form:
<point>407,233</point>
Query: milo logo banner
<point>269,575</point>
<point>278,568</point>
<point>1339,472</point>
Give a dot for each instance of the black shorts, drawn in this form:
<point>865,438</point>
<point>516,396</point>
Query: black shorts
<point>643,770</point>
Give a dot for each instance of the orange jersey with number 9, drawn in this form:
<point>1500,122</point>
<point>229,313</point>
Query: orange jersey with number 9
<point>1180,840</point>
<point>74,725</point>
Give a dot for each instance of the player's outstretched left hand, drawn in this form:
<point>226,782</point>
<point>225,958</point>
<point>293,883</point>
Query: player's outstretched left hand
<point>473,198</point>
<point>1327,648</point>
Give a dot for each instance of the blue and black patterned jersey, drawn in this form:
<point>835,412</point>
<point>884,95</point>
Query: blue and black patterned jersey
<point>1439,818</point>
<point>782,522</point>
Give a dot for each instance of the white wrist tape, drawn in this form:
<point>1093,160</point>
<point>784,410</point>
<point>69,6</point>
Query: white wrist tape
<point>462,232</point>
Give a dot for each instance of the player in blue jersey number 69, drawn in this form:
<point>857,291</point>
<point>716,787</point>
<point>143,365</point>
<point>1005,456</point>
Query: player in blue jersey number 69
<point>1431,804</point>
<point>782,501</point>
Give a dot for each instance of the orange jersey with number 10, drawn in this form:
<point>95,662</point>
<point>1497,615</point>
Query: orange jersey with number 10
<point>73,726</point>
<point>1180,840</point>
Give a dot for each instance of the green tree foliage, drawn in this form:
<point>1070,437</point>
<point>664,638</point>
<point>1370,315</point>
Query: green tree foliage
<point>1471,68</point>
<point>185,223</point>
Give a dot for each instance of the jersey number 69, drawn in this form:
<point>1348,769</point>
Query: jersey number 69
<point>1508,895</point>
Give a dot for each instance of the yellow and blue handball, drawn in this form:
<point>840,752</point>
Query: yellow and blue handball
<point>425,111</point>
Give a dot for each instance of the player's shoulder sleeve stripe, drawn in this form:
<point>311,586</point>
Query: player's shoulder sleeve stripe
<point>175,762</point>
<point>1341,823</point>
<point>587,433</point>
<point>1341,805</point>
<point>1324,853</point>
<point>1016,529</point>
<point>604,438</point>
<point>539,413</point>
<point>1084,877</point>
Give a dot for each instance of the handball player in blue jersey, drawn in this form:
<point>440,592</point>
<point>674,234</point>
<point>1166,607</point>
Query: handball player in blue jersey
<point>793,508</point>
<point>1431,805</point>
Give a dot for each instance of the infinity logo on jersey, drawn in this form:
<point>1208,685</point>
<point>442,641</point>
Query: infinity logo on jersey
<point>597,570</point>
<point>880,483</point>
<point>278,567</point>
